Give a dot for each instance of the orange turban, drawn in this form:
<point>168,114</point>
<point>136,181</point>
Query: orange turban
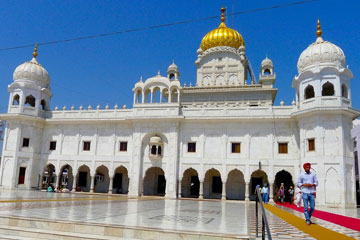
<point>306,165</point>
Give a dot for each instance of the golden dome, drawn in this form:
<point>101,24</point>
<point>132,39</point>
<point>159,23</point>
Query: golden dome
<point>222,36</point>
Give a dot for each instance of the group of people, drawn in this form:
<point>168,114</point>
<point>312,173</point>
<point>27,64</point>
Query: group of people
<point>51,188</point>
<point>305,191</point>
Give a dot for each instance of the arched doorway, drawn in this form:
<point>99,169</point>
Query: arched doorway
<point>48,176</point>
<point>83,181</point>
<point>190,184</point>
<point>154,182</point>
<point>235,185</point>
<point>121,181</point>
<point>285,178</point>
<point>102,180</point>
<point>258,177</point>
<point>212,184</point>
<point>66,177</point>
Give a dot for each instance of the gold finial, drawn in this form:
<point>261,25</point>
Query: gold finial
<point>223,14</point>
<point>318,32</point>
<point>35,51</point>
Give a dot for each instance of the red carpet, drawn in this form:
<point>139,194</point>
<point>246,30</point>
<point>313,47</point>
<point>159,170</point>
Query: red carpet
<point>348,222</point>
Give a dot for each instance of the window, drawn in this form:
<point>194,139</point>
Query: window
<point>30,101</point>
<point>191,147</point>
<point>328,89</point>
<point>22,175</point>
<point>26,142</point>
<point>52,145</point>
<point>311,143</point>
<point>309,92</point>
<point>283,147</point>
<point>86,146</point>
<point>16,100</point>
<point>153,149</point>
<point>43,104</point>
<point>235,148</point>
<point>344,91</point>
<point>123,146</point>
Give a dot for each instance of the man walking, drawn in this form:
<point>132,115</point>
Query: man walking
<point>308,182</point>
<point>265,192</point>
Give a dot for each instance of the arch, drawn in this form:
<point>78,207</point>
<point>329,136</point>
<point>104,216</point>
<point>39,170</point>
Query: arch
<point>16,100</point>
<point>154,182</point>
<point>309,92</point>
<point>258,177</point>
<point>328,89</point>
<point>220,80</point>
<point>121,180</point>
<point>48,176</point>
<point>267,71</point>
<point>285,178</point>
<point>139,96</point>
<point>147,96</point>
<point>165,95</point>
<point>43,104</point>
<point>101,180</point>
<point>344,91</point>
<point>83,179</point>
<point>66,178</point>
<point>190,184</point>
<point>235,185</point>
<point>30,101</point>
<point>332,187</point>
<point>174,95</point>
<point>156,96</point>
<point>212,184</point>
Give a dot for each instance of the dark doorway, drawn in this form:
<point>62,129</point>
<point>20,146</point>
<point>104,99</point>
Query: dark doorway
<point>161,185</point>
<point>118,181</point>
<point>82,179</point>
<point>194,186</point>
<point>254,182</point>
<point>285,178</point>
<point>216,184</point>
<point>22,175</point>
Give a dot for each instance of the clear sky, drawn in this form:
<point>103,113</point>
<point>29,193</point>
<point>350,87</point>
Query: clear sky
<point>104,70</point>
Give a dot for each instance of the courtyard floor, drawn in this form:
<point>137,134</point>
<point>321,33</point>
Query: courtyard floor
<point>236,218</point>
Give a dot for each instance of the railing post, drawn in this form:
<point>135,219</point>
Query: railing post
<point>257,216</point>
<point>263,228</point>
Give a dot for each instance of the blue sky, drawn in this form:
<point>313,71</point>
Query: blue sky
<point>104,70</point>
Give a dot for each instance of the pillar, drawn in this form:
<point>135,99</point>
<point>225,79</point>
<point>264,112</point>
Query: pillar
<point>92,184</point>
<point>247,187</point>
<point>111,184</point>
<point>201,190</point>
<point>223,192</point>
<point>179,188</point>
<point>271,192</point>
<point>74,183</point>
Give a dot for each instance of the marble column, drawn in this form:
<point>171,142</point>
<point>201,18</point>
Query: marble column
<point>271,192</point>
<point>179,188</point>
<point>91,184</point>
<point>201,191</point>
<point>247,187</point>
<point>74,184</point>
<point>223,194</point>
<point>111,184</point>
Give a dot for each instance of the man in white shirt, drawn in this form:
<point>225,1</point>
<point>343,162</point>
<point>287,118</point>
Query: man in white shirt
<point>308,182</point>
<point>265,193</point>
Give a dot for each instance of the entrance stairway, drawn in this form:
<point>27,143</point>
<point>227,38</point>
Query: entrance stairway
<point>31,229</point>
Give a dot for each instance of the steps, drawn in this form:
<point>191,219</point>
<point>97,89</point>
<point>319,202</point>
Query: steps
<point>31,229</point>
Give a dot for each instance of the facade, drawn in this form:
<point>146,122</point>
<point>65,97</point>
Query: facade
<point>217,139</point>
<point>355,134</point>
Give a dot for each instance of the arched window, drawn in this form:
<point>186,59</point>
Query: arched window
<point>153,149</point>
<point>16,100</point>
<point>138,96</point>
<point>147,96</point>
<point>156,95</point>
<point>309,92</point>
<point>267,72</point>
<point>172,76</point>
<point>344,91</point>
<point>328,89</point>
<point>30,101</point>
<point>43,104</point>
<point>159,150</point>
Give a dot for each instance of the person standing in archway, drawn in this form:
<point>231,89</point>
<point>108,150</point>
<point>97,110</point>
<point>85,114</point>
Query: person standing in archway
<point>265,193</point>
<point>308,182</point>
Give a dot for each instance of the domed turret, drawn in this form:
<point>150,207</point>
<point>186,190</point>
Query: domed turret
<point>173,72</point>
<point>322,52</point>
<point>222,36</point>
<point>32,70</point>
<point>267,76</point>
<point>267,66</point>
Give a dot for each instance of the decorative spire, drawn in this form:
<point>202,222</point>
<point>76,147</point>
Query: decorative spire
<point>318,32</point>
<point>223,14</point>
<point>35,51</point>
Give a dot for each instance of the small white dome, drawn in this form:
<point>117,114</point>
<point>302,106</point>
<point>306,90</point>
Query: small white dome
<point>33,71</point>
<point>155,140</point>
<point>173,66</point>
<point>322,52</point>
<point>266,62</point>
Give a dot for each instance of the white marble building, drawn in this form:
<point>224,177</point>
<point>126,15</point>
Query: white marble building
<point>218,139</point>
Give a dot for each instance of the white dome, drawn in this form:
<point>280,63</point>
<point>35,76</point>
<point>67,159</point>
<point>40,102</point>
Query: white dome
<point>173,66</point>
<point>322,52</point>
<point>33,71</point>
<point>266,62</point>
<point>155,140</point>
